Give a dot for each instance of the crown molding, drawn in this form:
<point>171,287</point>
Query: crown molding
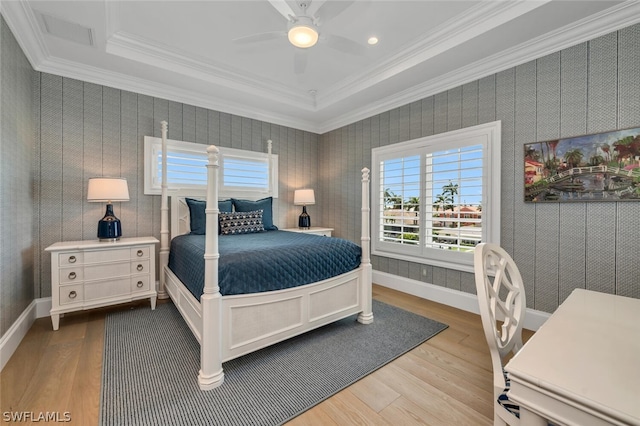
<point>18,16</point>
<point>144,51</point>
<point>144,87</point>
<point>464,27</point>
<point>612,19</point>
<point>24,26</point>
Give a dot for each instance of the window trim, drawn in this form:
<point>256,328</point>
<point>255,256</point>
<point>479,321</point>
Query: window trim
<point>489,135</point>
<point>153,145</point>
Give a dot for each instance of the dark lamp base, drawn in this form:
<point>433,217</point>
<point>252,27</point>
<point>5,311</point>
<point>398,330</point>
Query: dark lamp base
<point>109,227</point>
<point>304,221</point>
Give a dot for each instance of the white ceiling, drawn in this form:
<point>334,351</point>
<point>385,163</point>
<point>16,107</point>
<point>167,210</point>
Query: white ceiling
<point>185,50</point>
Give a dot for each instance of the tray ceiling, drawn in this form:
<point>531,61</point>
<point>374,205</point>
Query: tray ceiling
<point>188,51</point>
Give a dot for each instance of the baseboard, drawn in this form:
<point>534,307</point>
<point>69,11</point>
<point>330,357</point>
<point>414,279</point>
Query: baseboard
<point>9,342</point>
<point>457,299</point>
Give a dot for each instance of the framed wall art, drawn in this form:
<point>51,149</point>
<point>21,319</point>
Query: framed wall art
<point>596,167</point>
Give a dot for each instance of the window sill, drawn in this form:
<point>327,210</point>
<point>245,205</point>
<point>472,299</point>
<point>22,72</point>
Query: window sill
<point>455,265</point>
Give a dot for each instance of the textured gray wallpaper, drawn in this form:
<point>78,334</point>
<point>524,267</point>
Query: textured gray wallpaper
<point>90,130</point>
<point>17,139</point>
<point>58,132</point>
<point>588,88</point>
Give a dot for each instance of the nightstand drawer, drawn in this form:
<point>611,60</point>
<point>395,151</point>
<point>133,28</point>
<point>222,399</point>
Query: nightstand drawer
<point>140,252</point>
<point>106,270</point>
<point>104,289</point>
<point>140,283</point>
<point>112,255</point>
<point>68,259</point>
<point>71,275</point>
<point>71,294</point>
<point>139,267</point>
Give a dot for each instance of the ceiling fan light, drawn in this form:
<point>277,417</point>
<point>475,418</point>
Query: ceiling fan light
<point>303,36</point>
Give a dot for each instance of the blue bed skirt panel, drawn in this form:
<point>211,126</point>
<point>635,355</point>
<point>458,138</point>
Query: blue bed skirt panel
<point>264,261</point>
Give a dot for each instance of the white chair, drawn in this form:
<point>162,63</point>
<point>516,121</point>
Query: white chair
<point>502,298</point>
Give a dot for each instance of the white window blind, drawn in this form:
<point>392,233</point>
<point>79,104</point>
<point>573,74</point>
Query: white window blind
<point>400,189</point>
<point>239,172</point>
<point>437,197</point>
<point>454,215</point>
<point>242,173</point>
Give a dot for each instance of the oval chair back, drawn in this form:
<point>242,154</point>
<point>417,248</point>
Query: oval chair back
<point>502,301</point>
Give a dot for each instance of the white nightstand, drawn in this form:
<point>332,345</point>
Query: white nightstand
<point>316,230</point>
<point>90,274</point>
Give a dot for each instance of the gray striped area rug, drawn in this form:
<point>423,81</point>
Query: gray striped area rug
<point>151,363</point>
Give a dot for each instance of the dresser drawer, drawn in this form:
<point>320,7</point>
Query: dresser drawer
<point>71,275</point>
<point>139,266</point>
<point>90,274</point>
<point>112,255</point>
<point>71,294</point>
<point>140,283</point>
<point>105,289</point>
<point>106,270</point>
<point>68,259</point>
<point>140,252</point>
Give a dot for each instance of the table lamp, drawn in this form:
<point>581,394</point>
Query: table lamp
<point>304,198</point>
<point>107,190</point>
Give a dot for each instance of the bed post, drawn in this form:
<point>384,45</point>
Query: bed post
<point>211,374</point>
<point>366,316</point>
<point>164,218</point>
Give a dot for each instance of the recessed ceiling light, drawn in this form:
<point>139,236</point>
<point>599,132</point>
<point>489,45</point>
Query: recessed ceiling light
<point>373,40</point>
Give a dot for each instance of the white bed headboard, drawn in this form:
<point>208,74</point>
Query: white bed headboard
<point>180,219</point>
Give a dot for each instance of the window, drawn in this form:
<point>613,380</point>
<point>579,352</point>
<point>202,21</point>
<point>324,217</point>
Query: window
<point>242,173</point>
<point>436,198</point>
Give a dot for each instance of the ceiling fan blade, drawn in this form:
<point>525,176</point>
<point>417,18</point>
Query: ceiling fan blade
<point>283,7</point>
<point>314,7</point>
<point>300,62</point>
<point>256,38</point>
<point>331,9</point>
<point>345,45</point>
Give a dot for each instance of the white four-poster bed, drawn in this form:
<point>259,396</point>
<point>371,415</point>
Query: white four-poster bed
<point>234,325</point>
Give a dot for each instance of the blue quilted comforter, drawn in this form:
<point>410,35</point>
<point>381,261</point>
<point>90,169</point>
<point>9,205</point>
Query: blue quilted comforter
<point>264,261</point>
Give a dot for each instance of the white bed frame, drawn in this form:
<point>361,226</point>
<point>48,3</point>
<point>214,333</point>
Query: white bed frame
<point>230,326</point>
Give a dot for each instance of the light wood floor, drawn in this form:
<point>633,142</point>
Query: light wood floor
<point>445,381</point>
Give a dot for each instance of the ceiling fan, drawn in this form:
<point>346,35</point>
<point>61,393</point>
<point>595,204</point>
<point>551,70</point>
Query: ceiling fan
<point>303,28</point>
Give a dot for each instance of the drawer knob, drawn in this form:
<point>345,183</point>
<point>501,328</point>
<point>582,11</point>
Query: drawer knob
<point>140,284</point>
<point>140,253</point>
<point>140,267</point>
<point>72,276</point>
<point>72,259</point>
<point>72,295</point>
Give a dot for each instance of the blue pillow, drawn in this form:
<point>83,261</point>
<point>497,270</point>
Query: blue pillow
<point>251,206</point>
<point>197,216</point>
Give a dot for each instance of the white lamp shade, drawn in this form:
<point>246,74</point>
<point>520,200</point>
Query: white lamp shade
<point>304,197</point>
<point>107,189</point>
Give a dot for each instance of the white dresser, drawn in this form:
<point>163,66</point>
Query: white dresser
<point>90,274</point>
<point>316,230</point>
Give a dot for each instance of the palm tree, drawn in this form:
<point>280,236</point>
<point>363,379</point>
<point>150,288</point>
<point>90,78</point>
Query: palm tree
<point>450,191</point>
<point>446,199</point>
<point>413,205</point>
<point>573,157</point>
<point>391,200</point>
